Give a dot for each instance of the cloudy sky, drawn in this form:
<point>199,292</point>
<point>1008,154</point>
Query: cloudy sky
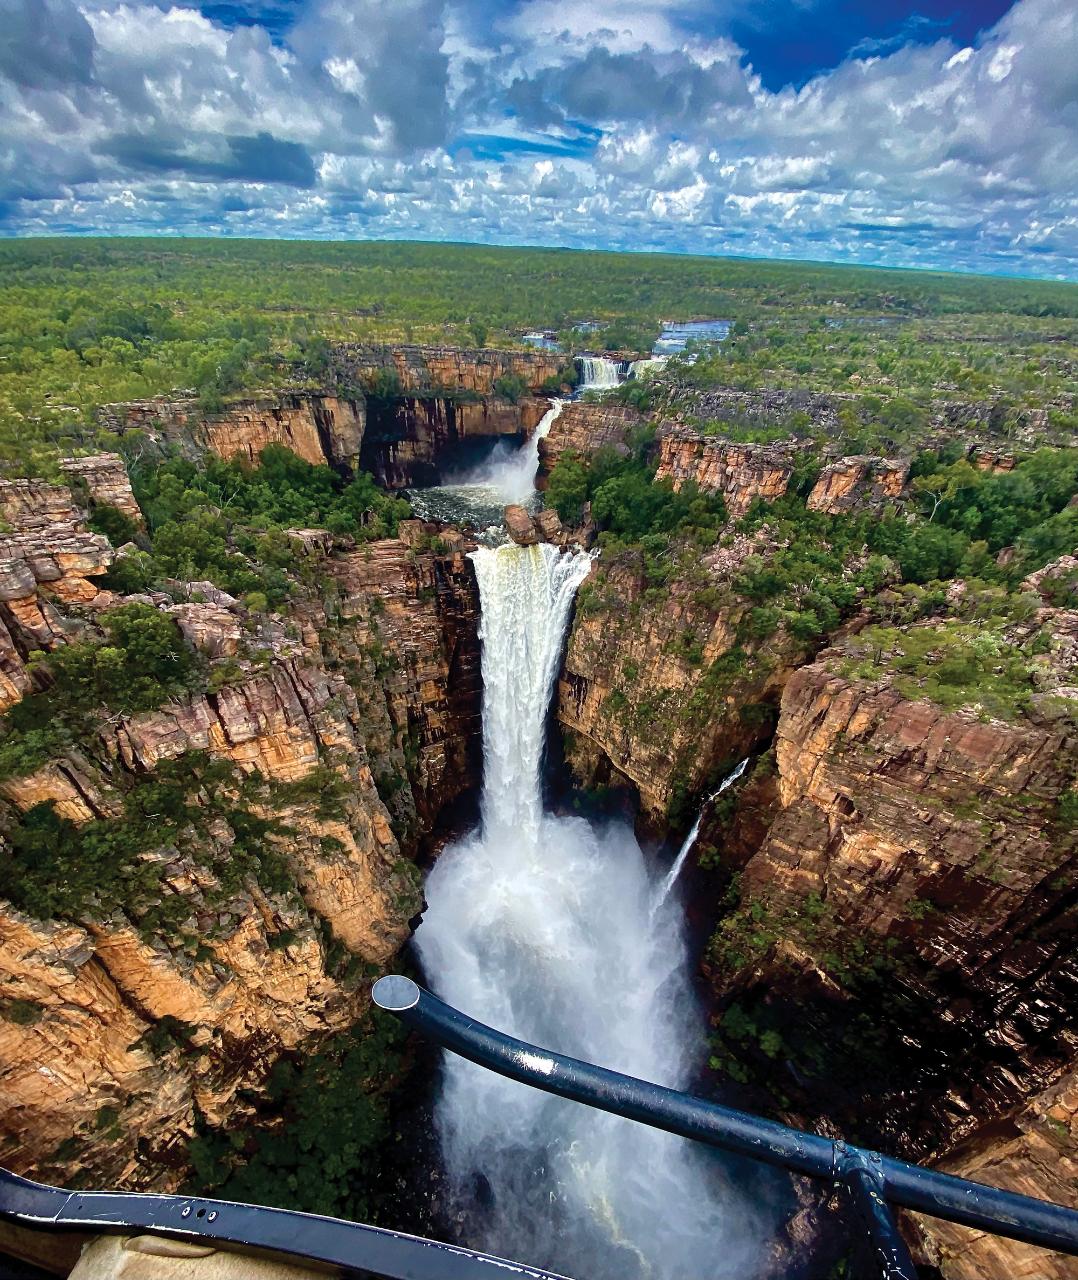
<point>938,133</point>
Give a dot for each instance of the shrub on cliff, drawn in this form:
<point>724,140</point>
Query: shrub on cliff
<point>140,663</point>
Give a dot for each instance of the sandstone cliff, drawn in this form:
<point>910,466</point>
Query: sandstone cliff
<point>317,428</point>
<point>664,687</point>
<point>740,472</point>
<point>906,912</point>
<point>426,371</point>
<point>858,482</point>
<point>584,426</point>
<point>416,440</point>
<point>323,745</point>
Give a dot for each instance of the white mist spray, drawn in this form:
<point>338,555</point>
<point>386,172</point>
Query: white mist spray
<point>550,929</point>
<point>508,475</point>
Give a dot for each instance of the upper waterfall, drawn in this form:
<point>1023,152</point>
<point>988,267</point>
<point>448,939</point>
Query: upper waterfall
<point>546,927</point>
<point>598,373</point>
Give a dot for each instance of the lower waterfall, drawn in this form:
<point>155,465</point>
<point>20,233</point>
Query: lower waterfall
<point>552,929</point>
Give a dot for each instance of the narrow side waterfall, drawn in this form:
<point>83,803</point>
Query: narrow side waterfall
<point>672,875</point>
<point>549,928</point>
<point>598,373</point>
<point>508,475</point>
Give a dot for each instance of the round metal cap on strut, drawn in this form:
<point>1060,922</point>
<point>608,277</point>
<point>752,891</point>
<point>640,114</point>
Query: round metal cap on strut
<point>395,993</point>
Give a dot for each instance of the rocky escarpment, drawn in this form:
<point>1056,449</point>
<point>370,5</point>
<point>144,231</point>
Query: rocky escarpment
<point>740,472</point>
<point>858,481</point>
<point>907,927</point>
<point>264,820</point>
<point>47,559</point>
<point>317,428</point>
<point>418,371</point>
<point>431,410</point>
<point>417,440</point>
<point>585,426</point>
<point>666,688</point>
<point>832,412</point>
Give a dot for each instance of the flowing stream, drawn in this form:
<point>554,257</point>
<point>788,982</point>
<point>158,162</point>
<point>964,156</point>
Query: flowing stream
<point>552,929</point>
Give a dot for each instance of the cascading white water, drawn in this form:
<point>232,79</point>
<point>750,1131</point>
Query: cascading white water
<point>508,475</point>
<point>645,368</point>
<point>598,373</point>
<point>672,875</point>
<point>549,928</point>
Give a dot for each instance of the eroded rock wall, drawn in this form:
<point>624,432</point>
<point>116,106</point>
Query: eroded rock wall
<point>357,714</point>
<point>931,842</point>
<point>740,472</point>
<point>318,428</point>
<point>662,687</point>
<point>423,370</point>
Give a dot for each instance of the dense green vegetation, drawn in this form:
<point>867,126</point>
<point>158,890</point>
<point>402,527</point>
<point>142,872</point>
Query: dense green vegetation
<point>191,806</point>
<point>85,322</point>
<point>136,665</point>
<point>225,522</point>
<point>322,1145</point>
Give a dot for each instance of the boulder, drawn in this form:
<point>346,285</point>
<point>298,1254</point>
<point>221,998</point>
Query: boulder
<point>549,525</point>
<point>521,527</point>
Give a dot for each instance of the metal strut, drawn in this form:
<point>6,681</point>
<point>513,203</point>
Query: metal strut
<point>874,1181</point>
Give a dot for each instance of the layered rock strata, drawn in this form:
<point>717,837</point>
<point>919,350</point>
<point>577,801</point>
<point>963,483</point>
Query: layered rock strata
<point>742,473</point>
<point>358,719</point>
<point>317,428</point>
<point>585,426</point>
<point>934,842</point>
<point>426,371</point>
<point>661,689</point>
<point>858,481</point>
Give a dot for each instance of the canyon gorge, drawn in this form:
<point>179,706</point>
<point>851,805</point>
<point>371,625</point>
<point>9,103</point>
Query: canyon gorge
<point>875,932</point>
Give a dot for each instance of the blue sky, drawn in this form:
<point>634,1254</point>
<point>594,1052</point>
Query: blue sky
<point>935,134</point>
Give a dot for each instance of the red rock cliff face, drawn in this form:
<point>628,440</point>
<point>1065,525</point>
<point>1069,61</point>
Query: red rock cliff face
<point>937,832</point>
<point>374,682</point>
<point>740,472</point>
<point>416,440</point>
<point>422,371</point>
<point>584,426</point>
<point>658,687</point>
<point>858,482</point>
<point>317,428</point>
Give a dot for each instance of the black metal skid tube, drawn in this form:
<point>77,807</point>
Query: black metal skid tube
<point>909,1186</point>
<point>354,1247</point>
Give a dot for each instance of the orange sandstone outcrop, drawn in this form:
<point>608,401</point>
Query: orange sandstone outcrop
<point>119,1033</point>
<point>939,832</point>
<point>858,481</point>
<point>655,685</point>
<point>426,371</point>
<point>104,477</point>
<point>318,428</point>
<point>584,426</point>
<point>740,472</point>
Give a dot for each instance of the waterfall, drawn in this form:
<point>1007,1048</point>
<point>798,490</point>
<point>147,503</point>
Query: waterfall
<point>508,475</point>
<point>644,368</point>
<point>670,879</point>
<point>598,373</point>
<point>545,927</point>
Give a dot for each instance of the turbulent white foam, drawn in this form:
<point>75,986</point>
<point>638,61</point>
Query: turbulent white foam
<point>508,475</point>
<point>549,928</point>
<point>598,373</point>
